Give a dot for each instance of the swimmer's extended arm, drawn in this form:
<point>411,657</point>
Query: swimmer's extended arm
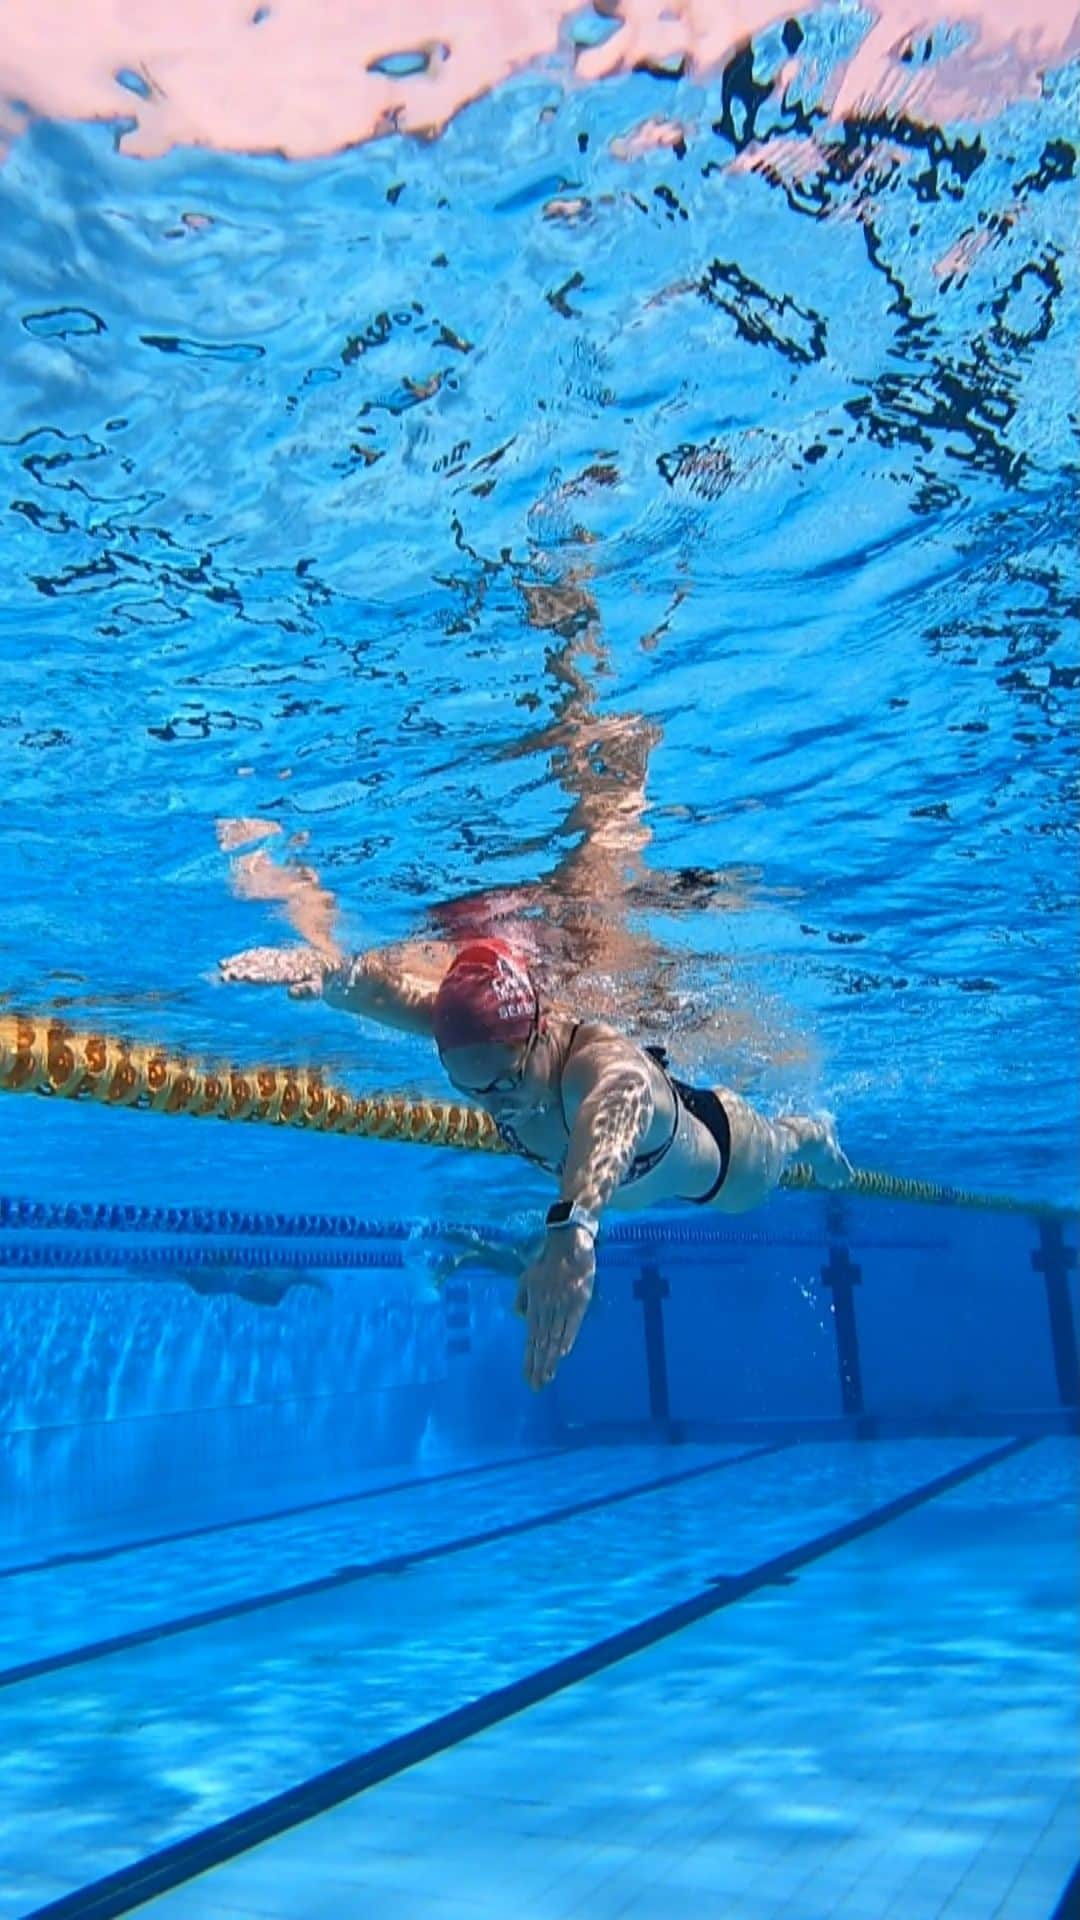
<point>609,1084</point>
<point>607,1087</point>
<point>394,985</point>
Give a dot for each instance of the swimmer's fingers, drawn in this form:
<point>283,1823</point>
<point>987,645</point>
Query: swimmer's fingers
<point>530,1303</point>
<point>256,966</point>
<point>297,968</point>
<point>572,1322</point>
<point>555,1316</point>
<point>557,1343</point>
<point>565,1329</point>
<point>541,1350</point>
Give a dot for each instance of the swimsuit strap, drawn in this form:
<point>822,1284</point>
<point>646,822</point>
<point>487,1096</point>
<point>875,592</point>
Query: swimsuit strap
<point>508,1132</point>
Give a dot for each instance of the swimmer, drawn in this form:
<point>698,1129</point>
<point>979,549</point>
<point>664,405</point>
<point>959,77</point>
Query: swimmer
<point>260,1286</point>
<point>602,1115</point>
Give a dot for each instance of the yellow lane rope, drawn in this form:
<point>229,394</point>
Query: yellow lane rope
<point>45,1056</point>
<point>48,1057</point>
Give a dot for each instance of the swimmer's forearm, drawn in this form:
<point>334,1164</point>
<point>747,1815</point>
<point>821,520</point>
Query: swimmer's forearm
<point>372,986</point>
<point>608,1129</point>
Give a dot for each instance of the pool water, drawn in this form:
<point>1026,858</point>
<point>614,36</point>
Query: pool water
<point>605,477</point>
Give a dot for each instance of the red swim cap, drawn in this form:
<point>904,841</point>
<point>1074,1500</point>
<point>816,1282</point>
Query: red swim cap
<point>486,999</point>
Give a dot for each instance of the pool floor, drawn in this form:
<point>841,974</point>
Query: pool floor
<point>801,1680</point>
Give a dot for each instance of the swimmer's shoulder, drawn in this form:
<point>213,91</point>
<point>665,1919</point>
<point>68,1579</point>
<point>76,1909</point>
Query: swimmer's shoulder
<point>594,1044</point>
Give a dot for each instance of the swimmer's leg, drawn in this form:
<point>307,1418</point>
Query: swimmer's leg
<point>762,1150</point>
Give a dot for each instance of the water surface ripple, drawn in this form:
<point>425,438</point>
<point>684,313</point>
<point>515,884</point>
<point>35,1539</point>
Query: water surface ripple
<point>659,452</point>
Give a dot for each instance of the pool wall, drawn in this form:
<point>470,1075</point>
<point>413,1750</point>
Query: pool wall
<point>822,1312</point>
<point>136,1396</point>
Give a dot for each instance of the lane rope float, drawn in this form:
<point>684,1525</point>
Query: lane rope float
<point>47,1057</point>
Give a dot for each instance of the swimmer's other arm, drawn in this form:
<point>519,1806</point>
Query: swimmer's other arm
<point>394,985</point>
<point>609,1084</point>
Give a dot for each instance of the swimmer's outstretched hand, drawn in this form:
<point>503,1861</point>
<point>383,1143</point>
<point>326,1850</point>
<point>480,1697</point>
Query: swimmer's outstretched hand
<point>552,1297</point>
<point>300,969</point>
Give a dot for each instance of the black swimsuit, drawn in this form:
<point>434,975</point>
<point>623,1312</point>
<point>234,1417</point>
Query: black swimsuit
<point>701,1104</point>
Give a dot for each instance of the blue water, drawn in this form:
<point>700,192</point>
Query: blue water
<point>763,509</point>
<point>692,582</point>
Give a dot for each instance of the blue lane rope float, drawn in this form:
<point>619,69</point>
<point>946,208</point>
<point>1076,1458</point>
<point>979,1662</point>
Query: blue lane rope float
<point>660,1230</point>
<point>47,1057</point>
<point>104,1216</point>
<point>52,1256</point>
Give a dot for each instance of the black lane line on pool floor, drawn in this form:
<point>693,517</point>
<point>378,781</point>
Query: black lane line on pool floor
<point>170,1867</point>
<point>1068,1907</point>
<point>80,1557</point>
<point>349,1576</point>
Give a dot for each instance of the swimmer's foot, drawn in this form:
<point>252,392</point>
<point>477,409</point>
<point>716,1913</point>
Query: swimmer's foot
<point>300,969</point>
<point>828,1161</point>
<point>817,1147</point>
<point>471,1248</point>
